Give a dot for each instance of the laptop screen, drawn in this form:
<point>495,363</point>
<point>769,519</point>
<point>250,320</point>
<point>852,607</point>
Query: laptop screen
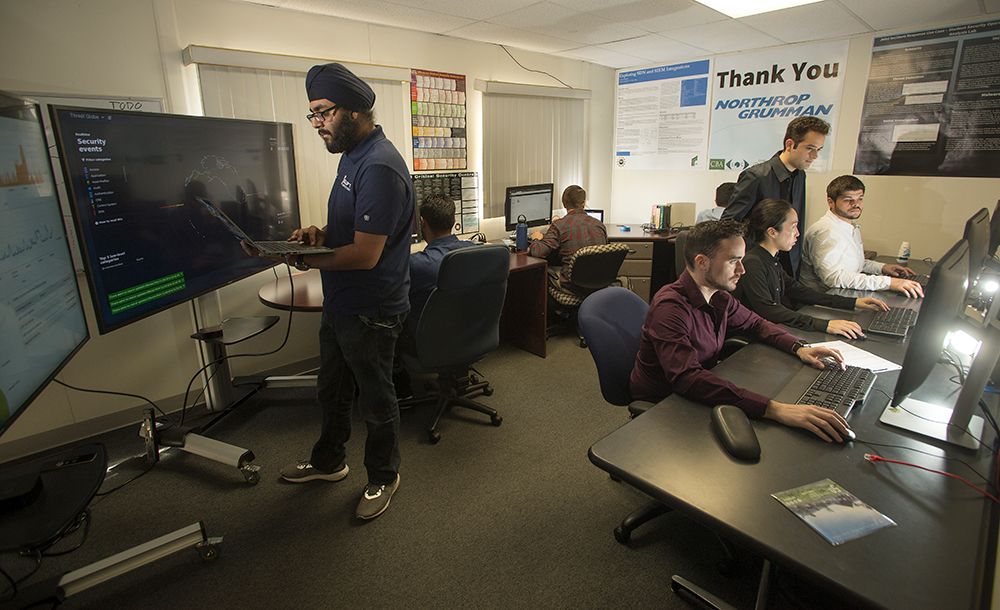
<point>596,214</point>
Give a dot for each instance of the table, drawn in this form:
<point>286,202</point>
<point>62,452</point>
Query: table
<point>525,308</point>
<point>939,554</point>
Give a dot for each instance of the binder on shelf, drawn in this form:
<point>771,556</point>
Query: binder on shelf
<point>660,218</point>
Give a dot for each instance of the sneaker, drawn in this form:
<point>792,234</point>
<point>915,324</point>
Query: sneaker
<point>376,499</point>
<point>303,471</point>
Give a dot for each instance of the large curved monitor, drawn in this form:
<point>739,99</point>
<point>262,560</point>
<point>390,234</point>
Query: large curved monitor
<point>133,179</point>
<point>42,323</point>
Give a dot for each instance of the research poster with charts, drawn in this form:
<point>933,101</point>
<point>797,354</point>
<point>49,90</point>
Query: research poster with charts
<point>662,117</point>
<point>932,105</point>
<point>756,95</point>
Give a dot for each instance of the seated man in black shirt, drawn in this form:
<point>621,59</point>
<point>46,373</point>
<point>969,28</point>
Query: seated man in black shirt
<point>768,290</point>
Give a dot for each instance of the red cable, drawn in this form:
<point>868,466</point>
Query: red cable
<point>877,458</point>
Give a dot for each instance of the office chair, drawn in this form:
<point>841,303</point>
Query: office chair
<point>611,320</point>
<point>679,264</point>
<point>459,325</point>
<point>591,268</point>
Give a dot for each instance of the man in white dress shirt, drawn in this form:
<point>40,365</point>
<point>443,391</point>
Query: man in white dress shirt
<point>833,255</point>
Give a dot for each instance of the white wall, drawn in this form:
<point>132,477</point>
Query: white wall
<point>133,48</point>
<point>930,213</point>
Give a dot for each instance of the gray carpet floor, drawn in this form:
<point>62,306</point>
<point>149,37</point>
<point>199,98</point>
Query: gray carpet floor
<point>513,516</point>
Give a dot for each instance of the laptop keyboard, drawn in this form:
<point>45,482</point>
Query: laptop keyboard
<point>839,389</point>
<point>896,321</point>
<point>277,247</point>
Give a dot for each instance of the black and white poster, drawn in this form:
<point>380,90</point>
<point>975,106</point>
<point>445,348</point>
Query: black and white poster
<point>932,105</point>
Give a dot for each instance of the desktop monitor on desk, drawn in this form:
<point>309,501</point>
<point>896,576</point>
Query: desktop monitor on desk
<point>533,202</point>
<point>940,315</point>
<point>977,233</point>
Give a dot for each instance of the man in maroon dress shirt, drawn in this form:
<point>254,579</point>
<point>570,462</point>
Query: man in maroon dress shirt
<point>688,321</point>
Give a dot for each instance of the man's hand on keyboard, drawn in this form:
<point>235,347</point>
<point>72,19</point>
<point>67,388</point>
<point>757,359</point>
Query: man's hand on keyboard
<point>824,423</point>
<point>848,328</point>
<point>813,355</point>
<point>898,271</point>
<point>908,287</point>
<point>871,303</point>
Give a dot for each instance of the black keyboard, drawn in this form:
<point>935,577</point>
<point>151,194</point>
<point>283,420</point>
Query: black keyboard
<point>896,321</point>
<point>839,389</point>
<point>921,279</point>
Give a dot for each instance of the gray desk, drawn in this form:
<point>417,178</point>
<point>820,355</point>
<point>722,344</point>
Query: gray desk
<point>935,558</point>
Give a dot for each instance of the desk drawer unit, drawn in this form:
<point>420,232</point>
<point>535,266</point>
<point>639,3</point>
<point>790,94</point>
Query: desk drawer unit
<point>638,267</point>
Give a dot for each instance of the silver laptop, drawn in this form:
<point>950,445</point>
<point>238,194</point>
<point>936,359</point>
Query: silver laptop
<point>270,248</point>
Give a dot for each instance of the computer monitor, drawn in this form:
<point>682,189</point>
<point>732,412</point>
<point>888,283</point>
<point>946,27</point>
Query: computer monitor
<point>977,233</point>
<point>597,215</point>
<point>991,250</point>
<point>533,202</point>
<point>940,315</point>
<point>42,321</point>
<point>133,179</point>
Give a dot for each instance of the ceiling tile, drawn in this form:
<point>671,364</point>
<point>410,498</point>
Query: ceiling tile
<point>470,9</point>
<point>894,14</point>
<point>723,37</point>
<point>652,15</point>
<point>566,23</point>
<point>797,24</point>
<point>604,57</point>
<point>484,31</point>
<point>381,13</point>
<point>655,49</point>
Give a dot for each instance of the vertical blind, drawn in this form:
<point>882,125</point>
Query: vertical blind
<point>274,95</point>
<point>531,140</point>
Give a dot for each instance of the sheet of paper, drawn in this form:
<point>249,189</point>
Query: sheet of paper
<point>855,356</point>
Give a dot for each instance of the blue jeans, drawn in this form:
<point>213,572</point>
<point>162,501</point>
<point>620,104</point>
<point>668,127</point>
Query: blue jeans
<point>358,349</point>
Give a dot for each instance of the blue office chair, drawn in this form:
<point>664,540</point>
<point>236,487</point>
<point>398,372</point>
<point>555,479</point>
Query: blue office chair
<point>459,325</point>
<point>611,321</point>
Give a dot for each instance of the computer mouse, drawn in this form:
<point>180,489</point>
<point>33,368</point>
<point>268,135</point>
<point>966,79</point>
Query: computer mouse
<point>830,362</point>
<point>735,432</point>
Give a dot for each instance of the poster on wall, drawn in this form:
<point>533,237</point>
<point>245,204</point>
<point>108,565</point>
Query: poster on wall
<point>932,105</point>
<point>662,117</point>
<point>437,111</point>
<point>462,187</point>
<point>756,95</point>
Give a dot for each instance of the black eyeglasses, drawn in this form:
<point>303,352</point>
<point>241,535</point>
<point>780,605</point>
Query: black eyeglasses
<point>320,115</point>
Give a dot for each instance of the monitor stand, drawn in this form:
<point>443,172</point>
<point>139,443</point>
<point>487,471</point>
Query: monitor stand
<point>930,420</point>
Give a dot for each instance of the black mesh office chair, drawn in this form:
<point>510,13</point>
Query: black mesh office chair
<point>589,269</point>
<point>459,325</point>
<point>679,263</point>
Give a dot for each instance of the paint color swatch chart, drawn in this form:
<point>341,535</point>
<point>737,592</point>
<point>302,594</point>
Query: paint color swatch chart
<point>437,108</point>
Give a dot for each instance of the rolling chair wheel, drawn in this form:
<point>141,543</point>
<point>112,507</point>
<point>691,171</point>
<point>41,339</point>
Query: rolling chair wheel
<point>622,536</point>
<point>488,391</point>
<point>496,420</point>
<point>583,343</point>
<point>433,437</point>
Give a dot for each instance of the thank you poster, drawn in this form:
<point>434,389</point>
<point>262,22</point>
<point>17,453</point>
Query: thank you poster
<point>755,95</point>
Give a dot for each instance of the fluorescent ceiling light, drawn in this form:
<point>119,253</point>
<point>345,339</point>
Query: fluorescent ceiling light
<point>742,8</point>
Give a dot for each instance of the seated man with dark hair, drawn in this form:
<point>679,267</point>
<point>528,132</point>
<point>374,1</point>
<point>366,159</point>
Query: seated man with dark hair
<point>437,219</point>
<point>570,233</point>
<point>722,195</point>
<point>689,320</point>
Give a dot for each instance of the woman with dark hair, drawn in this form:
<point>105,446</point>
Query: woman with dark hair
<point>768,290</point>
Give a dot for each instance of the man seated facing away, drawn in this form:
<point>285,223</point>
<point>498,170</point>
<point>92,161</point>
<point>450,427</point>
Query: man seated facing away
<point>437,219</point>
<point>568,234</point>
<point>689,320</point>
<point>722,195</point>
<point>833,255</point>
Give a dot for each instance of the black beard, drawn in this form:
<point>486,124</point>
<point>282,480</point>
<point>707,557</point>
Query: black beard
<point>345,137</point>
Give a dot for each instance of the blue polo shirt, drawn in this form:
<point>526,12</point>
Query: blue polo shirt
<point>373,193</point>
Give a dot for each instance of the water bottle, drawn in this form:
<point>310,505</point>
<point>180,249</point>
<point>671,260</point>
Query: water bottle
<point>904,253</point>
<point>522,233</point>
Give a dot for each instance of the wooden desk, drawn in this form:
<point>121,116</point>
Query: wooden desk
<point>937,555</point>
<point>522,323</point>
<point>652,264</point>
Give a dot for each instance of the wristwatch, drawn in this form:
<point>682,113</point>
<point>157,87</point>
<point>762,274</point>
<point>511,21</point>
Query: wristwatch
<point>301,264</point>
<point>795,346</point>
